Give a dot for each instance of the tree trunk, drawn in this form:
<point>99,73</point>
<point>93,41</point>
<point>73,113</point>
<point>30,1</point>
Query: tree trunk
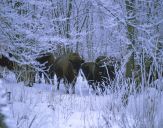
<point>131,33</point>
<point>68,15</point>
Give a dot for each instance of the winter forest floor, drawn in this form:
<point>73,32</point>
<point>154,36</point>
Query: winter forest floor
<point>43,106</point>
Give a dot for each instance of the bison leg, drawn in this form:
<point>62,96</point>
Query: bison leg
<point>73,89</point>
<point>92,84</point>
<point>67,85</point>
<point>73,86</point>
<point>102,88</point>
<point>40,76</point>
<point>58,82</point>
<point>67,89</point>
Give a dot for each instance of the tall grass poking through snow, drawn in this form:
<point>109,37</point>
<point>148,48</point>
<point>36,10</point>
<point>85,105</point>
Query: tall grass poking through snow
<point>130,108</point>
<point>42,106</point>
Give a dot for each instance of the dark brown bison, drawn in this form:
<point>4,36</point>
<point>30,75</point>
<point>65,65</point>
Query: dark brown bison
<point>99,74</point>
<point>47,66</point>
<point>23,72</point>
<point>6,62</point>
<point>106,67</point>
<point>67,68</point>
<point>107,70</point>
<point>92,74</point>
<point>101,60</point>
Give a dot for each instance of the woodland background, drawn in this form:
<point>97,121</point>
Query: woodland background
<point>130,30</point>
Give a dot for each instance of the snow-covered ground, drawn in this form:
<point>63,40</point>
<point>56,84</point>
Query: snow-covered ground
<point>42,106</point>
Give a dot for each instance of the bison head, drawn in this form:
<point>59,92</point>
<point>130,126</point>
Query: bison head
<point>76,60</point>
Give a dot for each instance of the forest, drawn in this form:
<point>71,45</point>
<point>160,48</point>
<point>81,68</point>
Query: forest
<point>81,63</point>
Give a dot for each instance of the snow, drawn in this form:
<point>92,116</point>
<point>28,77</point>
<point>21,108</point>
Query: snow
<point>43,106</point>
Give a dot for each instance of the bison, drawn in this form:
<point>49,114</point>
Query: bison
<point>92,73</point>
<point>106,67</point>
<point>6,62</point>
<point>23,72</point>
<point>99,73</point>
<point>107,70</point>
<point>47,61</point>
<point>67,68</point>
